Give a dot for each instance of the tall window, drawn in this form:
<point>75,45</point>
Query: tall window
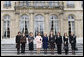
<point>39,24</point>
<point>6,27</point>
<point>39,3</point>
<point>70,4</point>
<point>82,4</point>
<point>53,3</point>
<point>54,23</point>
<point>7,3</point>
<point>24,24</point>
<point>71,24</point>
<point>24,3</point>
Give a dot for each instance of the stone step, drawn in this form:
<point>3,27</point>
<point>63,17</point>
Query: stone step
<point>41,54</point>
<point>40,51</point>
<point>36,50</point>
<point>41,48</point>
<point>11,48</point>
<point>34,46</point>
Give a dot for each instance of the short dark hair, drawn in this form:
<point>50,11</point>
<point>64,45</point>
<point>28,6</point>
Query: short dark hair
<point>19,32</point>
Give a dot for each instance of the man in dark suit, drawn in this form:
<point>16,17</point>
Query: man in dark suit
<point>58,42</point>
<point>18,42</point>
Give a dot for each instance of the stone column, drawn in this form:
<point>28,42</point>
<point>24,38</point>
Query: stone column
<point>79,28</point>
<point>65,26</point>
<point>12,26</point>
<point>61,24</point>
<point>17,23</point>
<point>31,22</point>
<point>46,23</point>
<point>76,28</point>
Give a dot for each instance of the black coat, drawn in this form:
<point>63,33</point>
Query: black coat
<point>65,44</point>
<point>58,40</point>
<point>65,40</point>
<point>18,37</point>
<point>72,40</point>
<point>52,41</point>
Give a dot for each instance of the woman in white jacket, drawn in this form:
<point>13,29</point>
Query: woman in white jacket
<point>38,40</point>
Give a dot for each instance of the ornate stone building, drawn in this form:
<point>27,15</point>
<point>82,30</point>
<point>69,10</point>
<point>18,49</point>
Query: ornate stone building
<point>41,16</point>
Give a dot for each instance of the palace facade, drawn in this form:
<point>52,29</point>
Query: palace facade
<point>41,16</point>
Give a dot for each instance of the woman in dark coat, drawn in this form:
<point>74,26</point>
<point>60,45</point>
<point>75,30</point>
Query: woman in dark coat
<point>72,39</point>
<point>18,42</point>
<point>52,42</point>
<point>65,38</point>
<point>45,43</point>
<point>58,42</point>
<point>23,42</point>
<point>30,40</point>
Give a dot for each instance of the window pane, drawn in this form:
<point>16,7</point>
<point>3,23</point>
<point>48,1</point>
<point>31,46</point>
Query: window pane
<point>39,24</point>
<point>54,23</point>
<point>71,24</point>
<point>24,24</point>
<point>6,26</point>
<point>70,4</point>
<point>7,3</point>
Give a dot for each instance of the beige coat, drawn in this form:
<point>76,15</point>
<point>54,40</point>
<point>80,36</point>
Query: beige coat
<point>38,40</point>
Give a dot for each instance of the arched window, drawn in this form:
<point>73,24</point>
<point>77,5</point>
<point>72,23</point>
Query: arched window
<point>39,24</point>
<point>6,26</point>
<point>24,24</point>
<point>70,4</point>
<point>71,24</point>
<point>54,23</point>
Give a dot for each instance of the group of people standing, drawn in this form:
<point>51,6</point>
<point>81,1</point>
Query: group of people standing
<point>46,42</point>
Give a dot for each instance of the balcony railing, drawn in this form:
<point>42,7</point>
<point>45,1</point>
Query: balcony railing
<point>38,5</point>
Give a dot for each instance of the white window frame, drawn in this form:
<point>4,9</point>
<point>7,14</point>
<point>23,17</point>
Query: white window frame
<point>72,23</point>
<point>23,19</point>
<point>70,4</point>
<point>38,23</point>
<point>55,23</point>
<point>6,25</point>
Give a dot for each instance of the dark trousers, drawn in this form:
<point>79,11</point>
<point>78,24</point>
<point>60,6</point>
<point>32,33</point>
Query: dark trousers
<point>66,51</point>
<point>18,47</point>
<point>22,47</point>
<point>59,49</point>
<point>45,51</point>
<point>73,48</point>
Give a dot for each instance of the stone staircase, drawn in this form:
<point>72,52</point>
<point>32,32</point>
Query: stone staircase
<point>10,50</point>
